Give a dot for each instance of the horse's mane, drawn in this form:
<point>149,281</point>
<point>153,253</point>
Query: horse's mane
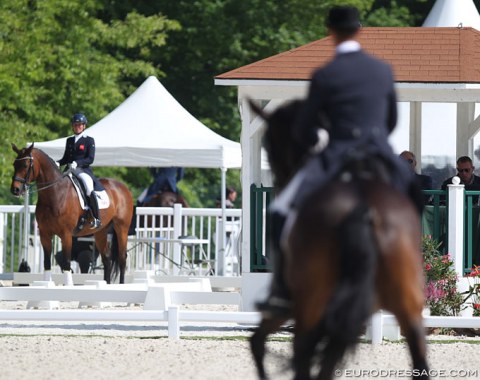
<point>285,155</point>
<point>50,159</point>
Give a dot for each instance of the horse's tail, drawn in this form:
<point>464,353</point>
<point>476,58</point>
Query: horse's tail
<point>352,301</point>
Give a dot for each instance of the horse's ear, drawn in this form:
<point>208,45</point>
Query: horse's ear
<point>29,149</point>
<point>255,108</point>
<point>15,149</point>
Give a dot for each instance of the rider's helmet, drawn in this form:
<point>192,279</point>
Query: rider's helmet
<point>79,118</point>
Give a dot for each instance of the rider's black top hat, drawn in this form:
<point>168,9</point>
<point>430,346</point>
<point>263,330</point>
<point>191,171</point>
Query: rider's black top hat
<point>344,18</point>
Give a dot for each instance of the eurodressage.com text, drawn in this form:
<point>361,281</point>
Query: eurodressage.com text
<point>399,373</point>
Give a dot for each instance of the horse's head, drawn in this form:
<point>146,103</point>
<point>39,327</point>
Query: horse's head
<point>284,154</point>
<point>24,170</point>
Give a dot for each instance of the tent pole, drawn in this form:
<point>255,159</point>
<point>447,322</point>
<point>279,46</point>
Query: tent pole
<point>221,251</point>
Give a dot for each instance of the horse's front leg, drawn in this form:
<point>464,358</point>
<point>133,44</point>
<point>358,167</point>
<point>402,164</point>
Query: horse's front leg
<point>257,342</point>
<point>46,241</point>
<point>67,259</point>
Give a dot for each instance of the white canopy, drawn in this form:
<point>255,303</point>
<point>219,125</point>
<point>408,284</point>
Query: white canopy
<point>150,128</point>
<point>453,13</point>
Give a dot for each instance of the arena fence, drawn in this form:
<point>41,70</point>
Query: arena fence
<point>168,240</point>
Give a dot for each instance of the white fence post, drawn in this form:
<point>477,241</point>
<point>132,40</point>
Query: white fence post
<point>177,231</point>
<point>2,242</point>
<point>456,200</point>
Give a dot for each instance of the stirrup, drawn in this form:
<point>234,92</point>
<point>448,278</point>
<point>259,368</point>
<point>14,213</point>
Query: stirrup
<point>95,223</point>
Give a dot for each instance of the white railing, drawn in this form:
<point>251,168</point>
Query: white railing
<point>168,240</point>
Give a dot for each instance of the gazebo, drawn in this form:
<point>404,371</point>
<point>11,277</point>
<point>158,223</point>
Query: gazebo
<point>431,64</point>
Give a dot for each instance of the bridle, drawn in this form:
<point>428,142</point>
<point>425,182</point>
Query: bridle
<point>26,181</point>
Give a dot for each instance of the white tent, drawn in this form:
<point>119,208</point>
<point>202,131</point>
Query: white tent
<point>150,128</point>
<point>453,13</point>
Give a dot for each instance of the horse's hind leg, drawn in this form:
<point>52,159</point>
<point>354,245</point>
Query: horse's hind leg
<point>304,345</point>
<point>101,242</point>
<point>415,335</point>
<point>258,339</point>
<point>120,256</point>
<point>331,356</point>
<point>401,293</point>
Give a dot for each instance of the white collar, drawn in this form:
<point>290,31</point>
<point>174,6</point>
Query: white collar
<point>349,46</point>
<point>78,137</point>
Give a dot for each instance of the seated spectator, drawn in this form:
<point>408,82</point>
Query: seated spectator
<point>424,181</point>
<point>467,177</point>
<point>230,198</point>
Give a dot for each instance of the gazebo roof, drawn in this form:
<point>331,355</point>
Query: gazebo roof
<point>422,55</point>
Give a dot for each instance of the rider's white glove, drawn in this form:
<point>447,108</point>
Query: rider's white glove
<point>73,165</point>
<point>58,165</point>
<point>322,142</point>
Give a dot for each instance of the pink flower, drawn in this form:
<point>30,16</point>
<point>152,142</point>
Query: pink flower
<point>445,259</point>
<point>428,267</point>
<point>434,291</point>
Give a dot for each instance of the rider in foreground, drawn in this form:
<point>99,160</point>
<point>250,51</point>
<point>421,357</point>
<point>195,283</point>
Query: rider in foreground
<point>79,155</point>
<point>353,99</point>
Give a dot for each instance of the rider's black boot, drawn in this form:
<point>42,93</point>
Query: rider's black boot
<point>278,303</point>
<point>94,207</point>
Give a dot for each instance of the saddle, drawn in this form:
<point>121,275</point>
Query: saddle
<point>78,183</point>
<point>365,166</point>
<point>102,198</point>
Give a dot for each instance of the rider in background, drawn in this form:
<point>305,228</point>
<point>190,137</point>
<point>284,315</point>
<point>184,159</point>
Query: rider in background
<point>79,155</point>
<point>353,98</point>
<point>165,179</point>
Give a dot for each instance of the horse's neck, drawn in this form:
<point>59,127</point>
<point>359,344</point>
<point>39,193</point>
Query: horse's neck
<point>48,181</point>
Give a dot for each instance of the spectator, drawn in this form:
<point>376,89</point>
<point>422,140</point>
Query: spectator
<point>424,181</point>
<point>465,171</point>
<point>230,198</point>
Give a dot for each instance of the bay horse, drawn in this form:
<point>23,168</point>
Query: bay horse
<point>354,248</point>
<point>161,199</point>
<point>58,211</point>
<point>166,199</point>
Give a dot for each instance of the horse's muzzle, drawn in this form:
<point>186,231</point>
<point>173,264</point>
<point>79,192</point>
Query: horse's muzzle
<point>15,191</point>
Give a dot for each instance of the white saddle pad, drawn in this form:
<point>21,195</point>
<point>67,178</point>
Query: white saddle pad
<point>102,197</point>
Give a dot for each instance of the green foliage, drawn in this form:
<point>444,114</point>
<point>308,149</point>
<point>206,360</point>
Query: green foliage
<point>58,58</point>
<point>66,56</point>
<point>394,16</point>
<point>441,292</point>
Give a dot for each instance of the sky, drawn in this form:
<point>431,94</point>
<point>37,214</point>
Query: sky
<point>438,129</point>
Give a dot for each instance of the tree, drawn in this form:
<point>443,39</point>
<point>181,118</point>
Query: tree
<point>58,58</point>
<point>65,56</point>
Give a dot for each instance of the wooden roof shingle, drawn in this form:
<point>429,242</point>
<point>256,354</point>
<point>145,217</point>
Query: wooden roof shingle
<point>439,55</point>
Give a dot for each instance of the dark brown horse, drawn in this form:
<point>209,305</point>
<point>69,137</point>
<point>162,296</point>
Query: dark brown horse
<point>166,199</point>
<point>352,250</point>
<point>161,199</point>
<point>58,211</point>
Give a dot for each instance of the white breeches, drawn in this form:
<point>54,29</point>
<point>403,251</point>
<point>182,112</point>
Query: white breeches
<point>88,182</point>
